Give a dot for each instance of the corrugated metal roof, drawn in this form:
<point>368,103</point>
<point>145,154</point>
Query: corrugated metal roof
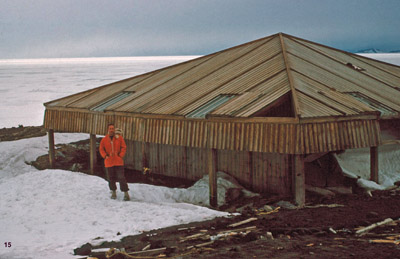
<point>311,107</point>
<point>258,73</point>
<point>378,71</point>
<point>357,80</point>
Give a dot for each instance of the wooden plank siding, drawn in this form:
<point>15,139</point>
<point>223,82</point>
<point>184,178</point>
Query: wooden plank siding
<point>268,137</point>
<point>270,172</point>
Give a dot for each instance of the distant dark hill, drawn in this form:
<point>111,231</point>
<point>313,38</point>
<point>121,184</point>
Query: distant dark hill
<point>373,50</point>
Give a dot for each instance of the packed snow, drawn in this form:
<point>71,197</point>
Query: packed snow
<point>46,214</point>
<point>355,163</point>
<point>393,58</point>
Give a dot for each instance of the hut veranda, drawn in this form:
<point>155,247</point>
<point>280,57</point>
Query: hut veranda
<point>258,111</point>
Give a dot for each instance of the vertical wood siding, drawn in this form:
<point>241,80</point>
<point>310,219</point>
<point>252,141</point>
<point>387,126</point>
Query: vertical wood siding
<point>283,138</point>
<point>268,172</point>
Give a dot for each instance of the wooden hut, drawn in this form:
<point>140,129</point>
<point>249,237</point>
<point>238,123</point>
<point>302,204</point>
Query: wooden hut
<point>256,111</point>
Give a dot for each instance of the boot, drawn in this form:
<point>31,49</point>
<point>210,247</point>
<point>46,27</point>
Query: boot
<point>113,195</point>
<point>126,197</point>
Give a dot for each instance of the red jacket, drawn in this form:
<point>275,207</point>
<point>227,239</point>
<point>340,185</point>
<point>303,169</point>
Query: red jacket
<point>114,150</point>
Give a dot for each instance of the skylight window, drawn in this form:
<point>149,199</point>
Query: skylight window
<point>385,110</point>
<point>105,104</point>
<point>203,110</point>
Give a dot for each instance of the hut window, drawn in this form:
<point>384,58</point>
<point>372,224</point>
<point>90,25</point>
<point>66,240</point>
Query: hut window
<point>110,101</point>
<point>203,110</point>
<point>385,110</point>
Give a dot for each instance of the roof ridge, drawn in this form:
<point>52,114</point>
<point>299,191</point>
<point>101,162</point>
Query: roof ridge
<point>296,107</point>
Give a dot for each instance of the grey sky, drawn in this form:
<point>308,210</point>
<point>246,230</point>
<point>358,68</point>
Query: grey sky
<point>87,28</point>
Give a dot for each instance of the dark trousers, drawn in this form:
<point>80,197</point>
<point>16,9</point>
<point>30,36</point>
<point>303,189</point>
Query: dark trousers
<point>114,174</point>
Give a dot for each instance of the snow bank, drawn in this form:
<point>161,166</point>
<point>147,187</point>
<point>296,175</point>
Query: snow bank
<point>46,214</point>
<point>15,154</point>
<point>197,194</point>
<point>52,212</point>
<point>356,163</point>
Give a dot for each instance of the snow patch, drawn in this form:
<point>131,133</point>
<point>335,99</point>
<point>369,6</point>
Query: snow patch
<point>46,214</point>
<point>355,163</point>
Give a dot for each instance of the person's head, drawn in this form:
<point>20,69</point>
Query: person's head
<point>111,129</point>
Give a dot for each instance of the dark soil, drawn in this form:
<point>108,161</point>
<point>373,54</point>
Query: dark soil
<point>297,233</point>
<point>321,232</point>
<point>9,134</point>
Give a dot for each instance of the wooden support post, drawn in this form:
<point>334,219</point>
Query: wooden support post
<point>145,158</point>
<point>52,152</point>
<point>184,166</point>
<point>374,164</point>
<point>212,174</point>
<point>250,167</point>
<point>93,153</point>
<point>299,180</point>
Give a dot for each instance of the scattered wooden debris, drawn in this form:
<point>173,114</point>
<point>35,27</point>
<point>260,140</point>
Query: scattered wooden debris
<point>227,234</point>
<point>388,236</point>
<point>239,229</point>
<point>242,222</point>
<point>385,241</point>
<point>189,228</point>
<point>393,237</point>
<point>363,230</point>
<point>323,206</point>
<point>112,252</point>
<point>194,237</point>
<point>200,245</point>
<point>220,235</point>
<point>270,236</point>
<point>269,212</point>
<point>148,251</point>
<point>146,247</point>
<point>332,230</point>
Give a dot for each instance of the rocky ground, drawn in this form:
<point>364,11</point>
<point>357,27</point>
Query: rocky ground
<point>326,227</point>
<point>15,133</point>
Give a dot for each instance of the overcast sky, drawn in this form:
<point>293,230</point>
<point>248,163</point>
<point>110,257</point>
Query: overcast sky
<point>101,28</point>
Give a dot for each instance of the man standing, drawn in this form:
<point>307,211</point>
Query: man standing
<point>113,150</point>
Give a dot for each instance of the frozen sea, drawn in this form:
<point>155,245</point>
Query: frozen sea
<point>46,214</point>
<point>25,84</point>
